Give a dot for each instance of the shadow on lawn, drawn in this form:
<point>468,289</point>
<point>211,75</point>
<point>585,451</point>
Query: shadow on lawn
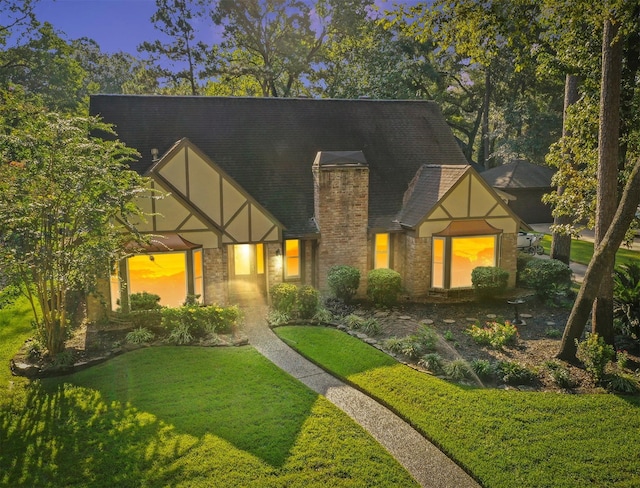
<point>118,423</point>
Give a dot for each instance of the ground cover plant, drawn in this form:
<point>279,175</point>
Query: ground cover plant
<point>505,438</point>
<point>177,416</point>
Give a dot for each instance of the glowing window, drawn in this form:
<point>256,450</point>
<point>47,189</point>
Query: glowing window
<point>292,258</point>
<point>437,268</point>
<point>260,258</point>
<point>198,282</point>
<point>468,253</point>
<point>242,259</point>
<point>381,251</point>
<point>163,274</point>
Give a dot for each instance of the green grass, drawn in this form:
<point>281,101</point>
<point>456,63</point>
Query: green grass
<point>581,251</point>
<point>180,417</point>
<point>505,438</point>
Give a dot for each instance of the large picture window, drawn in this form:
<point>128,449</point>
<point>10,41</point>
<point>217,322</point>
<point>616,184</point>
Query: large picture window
<point>163,274</point>
<point>454,258</point>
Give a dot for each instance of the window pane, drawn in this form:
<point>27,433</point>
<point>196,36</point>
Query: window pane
<point>382,251</point>
<point>437,269</point>
<point>242,259</point>
<point>292,258</point>
<point>468,253</point>
<point>198,283</point>
<point>260,258</point>
<point>163,274</point>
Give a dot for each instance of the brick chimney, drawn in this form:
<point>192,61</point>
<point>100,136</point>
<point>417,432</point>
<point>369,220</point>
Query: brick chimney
<point>341,204</point>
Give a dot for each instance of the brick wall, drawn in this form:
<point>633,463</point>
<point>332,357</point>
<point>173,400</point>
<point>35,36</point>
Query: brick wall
<point>417,265</point>
<point>341,198</point>
<point>215,277</point>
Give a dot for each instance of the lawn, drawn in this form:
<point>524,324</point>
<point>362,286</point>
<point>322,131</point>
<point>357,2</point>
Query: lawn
<point>581,251</point>
<point>505,438</point>
<point>178,416</point>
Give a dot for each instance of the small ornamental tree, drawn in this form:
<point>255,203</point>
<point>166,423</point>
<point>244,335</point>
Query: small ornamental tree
<point>61,189</point>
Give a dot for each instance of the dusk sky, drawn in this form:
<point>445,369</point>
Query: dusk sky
<point>116,25</point>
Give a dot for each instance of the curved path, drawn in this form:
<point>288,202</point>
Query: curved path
<point>426,463</point>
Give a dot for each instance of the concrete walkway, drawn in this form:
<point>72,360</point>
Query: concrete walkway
<point>426,463</point>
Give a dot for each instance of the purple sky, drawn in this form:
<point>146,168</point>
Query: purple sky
<point>116,25</point>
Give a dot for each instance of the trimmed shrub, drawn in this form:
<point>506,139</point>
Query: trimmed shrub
<point>489,281</point>
<point>144,301</point>
<point>545,276</point>
<point>283,297</point>
<point>383,287</point>
<point>595,353</point>
<point>307,299</point>
<point>344,281</point>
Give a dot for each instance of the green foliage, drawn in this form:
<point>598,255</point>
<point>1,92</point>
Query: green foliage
<point>552,333</point>
<point>139,336</point>
<point>276,318</point>
<point>560,375</point>
<point>383,287</point>
<point>307,300</point>
<point>483,368</point>
<point>432,362</point>
<point>626,296</point>
<point>595,353</point>
<point>494,334</point>
<point>344,281</point>
<point>283,297</point>
<point>621,382</point>
<point>56,219</point>
<point>189,322</point>
<point>144,301</point>
<point>369,326</point>
<point>513,373</point>
<point>293,301</point>
<point>545,276</point>
<point>415,345</point>
<point>489,281</point>
<point>323,315</point>
<point>457,370</point>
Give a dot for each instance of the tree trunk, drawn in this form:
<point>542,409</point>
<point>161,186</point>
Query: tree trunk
<point>603,254</point>
<point>561,243</point>
<point>484,155</point>
<point>608,145</point>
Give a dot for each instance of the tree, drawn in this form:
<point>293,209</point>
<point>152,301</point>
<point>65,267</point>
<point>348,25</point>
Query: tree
<point>60,190</point>
<point>268,41</point>
<point>174,19</point>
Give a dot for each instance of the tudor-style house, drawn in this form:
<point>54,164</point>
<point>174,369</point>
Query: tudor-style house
<point>260,191</point>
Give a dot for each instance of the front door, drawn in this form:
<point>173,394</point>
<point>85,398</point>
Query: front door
<point>247,281</point>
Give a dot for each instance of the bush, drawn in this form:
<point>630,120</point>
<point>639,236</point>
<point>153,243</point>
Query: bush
<point>626,299</point>
<point>457,370</point>
<point>595,353</point>
<point>283,297</point>
<point>489,281</point>
<point>545,276</point>
<point>194,321</point>
<point>483,368</point>
<point>432,362</point>
<point>344,281</point>
<point>494,334</point>
<point>623,383</point>
<point>144,301</point>
<point>383,287</point>
<point>560,375</point>
<point>307,299</point>
<point>139,336</point>
<point>515,374</point>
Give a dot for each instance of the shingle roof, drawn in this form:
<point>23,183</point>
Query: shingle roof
<point>429,185</point>
<point>519,174</point>
<point>268,145</point>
